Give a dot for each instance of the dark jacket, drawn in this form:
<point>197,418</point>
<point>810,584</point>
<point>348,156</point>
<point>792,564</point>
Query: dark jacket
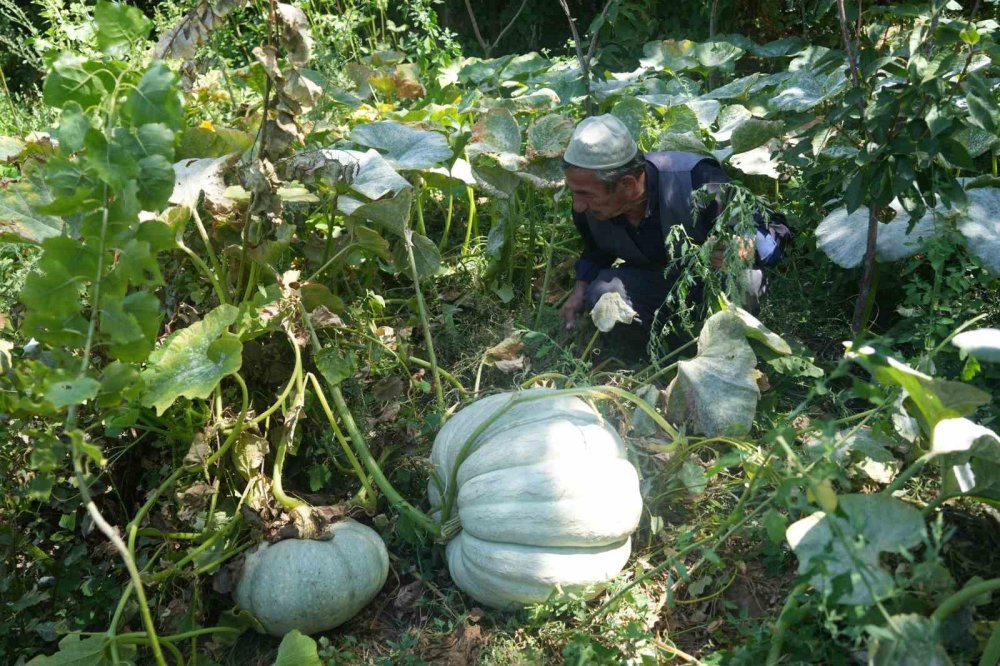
<point>671,178</point>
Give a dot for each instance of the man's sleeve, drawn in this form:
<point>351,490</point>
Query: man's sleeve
<point>592,260</point>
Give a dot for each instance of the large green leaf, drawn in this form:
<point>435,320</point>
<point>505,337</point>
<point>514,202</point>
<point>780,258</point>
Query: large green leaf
<point>92,651</point>
<point>19,219</point>
<point>71,78</point>
<point>844,237</point>
<point>155,99</point>
<point>909,640</point>
<point>936,399</point>
<point>119,26</point>
<point>715,393</point>
<point>496,132</point>
<point>549,135</point>
<point>980,226</point>
<point>425,255</point>
<point>756,330</point>
<point>390,214</point>
<point>805,90</point>
<point>982,343</point>
<point>971,458</point>
<point>193,361</point>
<point>404,147</point>
<point>754,132</point>
<point>297,649</point>
<point>841,553</point>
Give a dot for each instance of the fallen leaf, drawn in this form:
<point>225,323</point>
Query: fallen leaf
<point>611,309</point>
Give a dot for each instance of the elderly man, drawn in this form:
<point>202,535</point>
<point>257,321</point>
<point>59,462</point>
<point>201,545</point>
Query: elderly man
<point>625,203</point>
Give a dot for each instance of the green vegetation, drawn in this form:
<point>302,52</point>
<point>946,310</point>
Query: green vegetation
<point>255,255</point>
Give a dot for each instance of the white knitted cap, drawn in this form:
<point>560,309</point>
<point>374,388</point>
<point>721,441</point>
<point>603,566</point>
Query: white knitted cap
<point>600,142</point>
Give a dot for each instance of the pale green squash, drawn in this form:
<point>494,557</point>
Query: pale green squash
<point>313,585</point>
<point>546,500</point>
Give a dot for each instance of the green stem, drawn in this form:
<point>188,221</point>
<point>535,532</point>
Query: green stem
<point>292,381</point>
<point>176,638</point>
<point>781,626</point>
<point>277,489</point>
<point>206,271</point>
<point>471,221</point>
<point>212,257</point>
<point>424,320</point>
<point>590,345</point>
<point>331,261</point>
<point>351,458</point>
<point>450,378</point>
<point>447,222</point>
<point>549,252</point>
<point>16,114</point>
<point>419,201</point>
<point>964,596</point>
<point>364,453</point>
<point>123,550</point>
<point>907,474</point>
<point>543,376</point>
<point>194,552</point>
<point>991,653</point>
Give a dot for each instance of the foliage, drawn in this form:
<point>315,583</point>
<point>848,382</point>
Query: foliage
<point>265,276</point>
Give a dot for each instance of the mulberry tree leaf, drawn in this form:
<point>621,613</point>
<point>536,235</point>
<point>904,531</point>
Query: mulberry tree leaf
<point>193,361</point>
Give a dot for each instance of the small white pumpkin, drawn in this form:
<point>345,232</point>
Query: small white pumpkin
<point>313,585</point>
<point>547,499</point>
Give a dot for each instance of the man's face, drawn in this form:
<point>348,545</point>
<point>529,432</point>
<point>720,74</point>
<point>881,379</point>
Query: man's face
<point>592,196</point>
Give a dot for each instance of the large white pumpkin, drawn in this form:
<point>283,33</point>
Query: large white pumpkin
<point>313,585</point>
<point>547,498</point>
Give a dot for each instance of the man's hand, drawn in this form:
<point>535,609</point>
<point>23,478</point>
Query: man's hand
<point>573,305</point>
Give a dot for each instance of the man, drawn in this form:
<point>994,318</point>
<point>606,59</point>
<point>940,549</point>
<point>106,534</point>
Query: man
<point>624,204</point>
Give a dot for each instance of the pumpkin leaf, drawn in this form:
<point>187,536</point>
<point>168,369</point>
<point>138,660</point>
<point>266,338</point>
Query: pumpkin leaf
<point>425,255</point>
<point>19,218</point>
<point>193,361</point>
<point>757,162</point>
<point>77,651</point>
<point>757,331</point>
<point>549,135</point>
<point>841,552</point>
<point>980,228</point>
<point>611,309</point>
<point>193,177</point>
<point>754,132</point>
<point>936,399</point>
<point>295,35</point>
<point>403,146</point>
<point>335,365</point>
<point>632,112</point>
<point>297,649</point>
<point>909,639</point>
<point>960,435</point>
<point>390,214</point>
<point>844,237</point>
<point>716,392</point>
<point>496,132</point>
<point>982,344</point>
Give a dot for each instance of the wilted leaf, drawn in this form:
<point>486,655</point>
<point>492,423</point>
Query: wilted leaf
<point>183,39</point>
<point>205,175</point>
<point>980,226</point>
<point>830,547</point>
<point>193,361</point>
<point>295,36</point>
<point>495,132</point>
<point>715,392</point>
<point>249,453</point>
<point>983,344</point>
<point>611,309</point>
<point>403,146</point>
